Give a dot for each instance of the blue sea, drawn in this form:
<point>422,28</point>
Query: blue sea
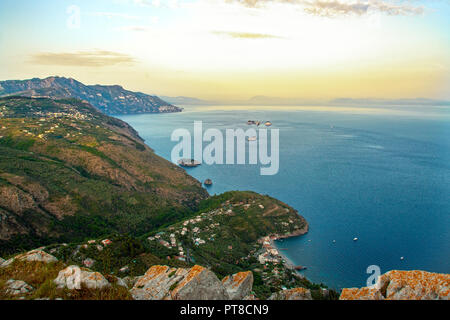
<point>376,173</point>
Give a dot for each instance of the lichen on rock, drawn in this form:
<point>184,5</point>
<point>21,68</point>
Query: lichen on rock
<point>403,285</point>
<point>292,294</point>
<point>165,283</point>
<point>74,278</point>
<point>31,256</point>
<point>17,287</point>
<point>361,294</point>
<point>239,285</point>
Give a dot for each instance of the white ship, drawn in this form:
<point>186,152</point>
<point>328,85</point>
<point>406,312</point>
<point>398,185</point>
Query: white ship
<point>188,163</point>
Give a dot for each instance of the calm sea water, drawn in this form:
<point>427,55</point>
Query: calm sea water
<point>382,175</point>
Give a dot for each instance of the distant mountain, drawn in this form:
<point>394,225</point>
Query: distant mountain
<point>257,100</point>
<point>111,100</point>
<point>278,101</point>
<point>187,101</point>
<point>391,102</point>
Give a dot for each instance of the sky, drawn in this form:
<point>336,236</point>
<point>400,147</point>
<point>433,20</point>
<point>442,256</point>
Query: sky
<point>234,49</point>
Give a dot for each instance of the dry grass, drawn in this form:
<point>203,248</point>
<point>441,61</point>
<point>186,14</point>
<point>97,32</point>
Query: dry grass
<point>33,273</point>
<point>41,275</point>
<point>115,292</point>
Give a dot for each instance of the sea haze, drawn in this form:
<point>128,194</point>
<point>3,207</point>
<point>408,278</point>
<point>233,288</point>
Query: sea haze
<point>379,174</point>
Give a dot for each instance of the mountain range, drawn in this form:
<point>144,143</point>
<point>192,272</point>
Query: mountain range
<point>278,101</point>
<point>110,100</point>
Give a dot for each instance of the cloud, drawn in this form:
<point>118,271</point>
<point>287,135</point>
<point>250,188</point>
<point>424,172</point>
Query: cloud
<point>137,28</point>
<point>332,8</point>
<point>111,15</point>
<point>173,4</point>
<point>339,7</point>
<point>245,35</point>
<point>97,58</point>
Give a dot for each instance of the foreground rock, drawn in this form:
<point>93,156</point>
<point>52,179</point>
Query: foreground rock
<point>361,294</point>
<point>239,285</point>
<point>17,287</point>
<point>120,282</point>
<point>33,255</point>
<point>74,278</point>
<point>130,281</point>
<point>165,283</point>
<point>292,294</point>
<point>403,285</point>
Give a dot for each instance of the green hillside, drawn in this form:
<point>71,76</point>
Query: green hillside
<point>67,171</point>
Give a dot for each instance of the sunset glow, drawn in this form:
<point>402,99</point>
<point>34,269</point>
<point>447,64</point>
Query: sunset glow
<point>225,50</point>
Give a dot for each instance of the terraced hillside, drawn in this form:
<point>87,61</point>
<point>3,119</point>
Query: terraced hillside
<point>68,171</point>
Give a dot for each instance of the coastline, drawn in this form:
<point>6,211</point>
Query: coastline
<point>288,262</point>
<point>297,233</point>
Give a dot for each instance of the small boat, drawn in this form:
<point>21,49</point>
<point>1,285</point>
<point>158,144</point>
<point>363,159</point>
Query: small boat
<point>334,241</point>
<point>188,163</point>
<point>250,122</point>
<point>402,258</point>
<point>252,138</point>
<point>258,123</point>
<point>298,268</point>
<point>355,239</point>
<point>208,182</point>
<point>268,123</point>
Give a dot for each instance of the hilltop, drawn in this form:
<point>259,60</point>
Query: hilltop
<point>68,171</point>
<point>111,100</point>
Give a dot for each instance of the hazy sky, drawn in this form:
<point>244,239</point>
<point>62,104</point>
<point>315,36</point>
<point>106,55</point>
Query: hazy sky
<point>234,49</point>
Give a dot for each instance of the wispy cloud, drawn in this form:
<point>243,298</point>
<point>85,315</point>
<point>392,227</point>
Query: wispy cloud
<point>111,15</point>
<point>136,28</point>
<point>332,8</point>
<point>158,3</point>
<point>96,58</point>
<point>245,35</point>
